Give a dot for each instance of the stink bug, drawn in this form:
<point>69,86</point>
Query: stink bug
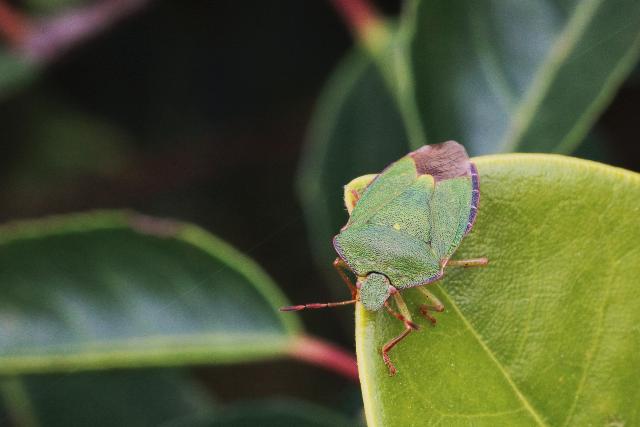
<point>404,225</point>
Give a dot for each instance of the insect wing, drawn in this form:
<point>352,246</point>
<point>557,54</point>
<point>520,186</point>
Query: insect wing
<point>450,209</point>
<point>404,259</point>
<point>390,183</point>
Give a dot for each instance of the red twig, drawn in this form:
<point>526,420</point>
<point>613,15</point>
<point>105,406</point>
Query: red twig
<point>360,15</point>
<point>46,39</point>
<point>329,356</point>
<point>13,26</point>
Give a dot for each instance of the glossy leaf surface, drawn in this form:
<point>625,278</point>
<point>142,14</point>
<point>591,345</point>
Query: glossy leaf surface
<point>146,397</point>
<point>106,399</point>
<point>272,413</point>
<point>548,333</point>
<point>505,76</point>
<point>114,289</point>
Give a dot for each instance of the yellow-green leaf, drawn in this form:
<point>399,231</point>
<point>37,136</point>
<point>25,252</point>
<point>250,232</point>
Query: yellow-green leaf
<point>548,333</point>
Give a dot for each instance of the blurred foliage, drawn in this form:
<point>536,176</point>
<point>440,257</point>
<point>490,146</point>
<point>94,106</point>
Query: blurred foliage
<point>15,73</point>
<point>141,398</point>
<point>119,289</point>
<point>45,7</point>
<point>197,110</point>
<point>272,413</point>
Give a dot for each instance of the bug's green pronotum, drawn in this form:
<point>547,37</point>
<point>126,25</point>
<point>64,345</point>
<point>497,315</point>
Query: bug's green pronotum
<point>404,225</point>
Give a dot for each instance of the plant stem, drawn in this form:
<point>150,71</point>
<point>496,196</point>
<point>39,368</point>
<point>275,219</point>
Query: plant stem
<point>44,40</point>
<point>53,36</point>
<point>364,21</point>
<point>387,49</point>
<point>316,351</point>
<point>17,402</point>
<point>13,26</point>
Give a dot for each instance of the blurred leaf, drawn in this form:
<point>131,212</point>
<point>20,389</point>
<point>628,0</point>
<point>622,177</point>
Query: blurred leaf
<point>52,6</point>
<point>165,398</point>
<point>519,76</point>
<point>70,142</point>
<point>14,73</point>
<point>118,398</point>
<point>275,413</point>
<point>62,146</point>
<point>596,146</point>
<point>114,289</point>
<point>548,333</point>
<point>634,80</point>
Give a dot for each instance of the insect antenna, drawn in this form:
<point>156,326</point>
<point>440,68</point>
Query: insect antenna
<point>317,305</point>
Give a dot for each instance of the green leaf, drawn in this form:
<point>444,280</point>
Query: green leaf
<point>70,145</point>
<point>116,289</point>
<point>272,413</point>
<point>548,333</point>
<point>504,76</point>
<point>15,73</point>
<point>103,399</point>
<point>168,398</point>
<point>44,7</point>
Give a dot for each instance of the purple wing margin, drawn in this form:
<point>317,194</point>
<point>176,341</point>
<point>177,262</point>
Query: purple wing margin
<point>475,197</point>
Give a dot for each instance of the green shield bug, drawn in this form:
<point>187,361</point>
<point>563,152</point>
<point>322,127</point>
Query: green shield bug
<point>404,225</point>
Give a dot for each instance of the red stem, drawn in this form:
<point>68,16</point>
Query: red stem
<point>45,39</point>
<point>358,14</point>
<point>316,351</point>
<point>53,36</point>
<point>13,26</point>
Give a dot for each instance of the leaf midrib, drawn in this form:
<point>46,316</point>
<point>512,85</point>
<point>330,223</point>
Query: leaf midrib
<point>162,352</point>
<point>525,403</point>
<point>562,47</point>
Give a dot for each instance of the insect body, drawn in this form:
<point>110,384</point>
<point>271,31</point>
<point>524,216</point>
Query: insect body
<point>404,225</point>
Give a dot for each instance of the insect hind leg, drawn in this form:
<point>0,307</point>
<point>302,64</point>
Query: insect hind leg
<point>435,306</point>
<point>466,263</point>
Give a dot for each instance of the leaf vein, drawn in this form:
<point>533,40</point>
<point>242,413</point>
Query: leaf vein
<point>562,47</point>
<point>525,403</point>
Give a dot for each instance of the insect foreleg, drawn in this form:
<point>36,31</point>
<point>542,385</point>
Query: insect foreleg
<point>388,346</point>
<point>475,262</point>
<point>342,268</point>
<point>409,326</point>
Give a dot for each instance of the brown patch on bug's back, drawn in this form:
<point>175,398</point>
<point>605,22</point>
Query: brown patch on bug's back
<point>442,161</point>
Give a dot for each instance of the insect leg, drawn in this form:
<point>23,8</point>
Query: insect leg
<point>425,308</point>
<point>407,322</point>
<point>408,327</point>
<point>388,346</point>
<point>317,305</point>
<point>342,268</point>
<point>475,262</point>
